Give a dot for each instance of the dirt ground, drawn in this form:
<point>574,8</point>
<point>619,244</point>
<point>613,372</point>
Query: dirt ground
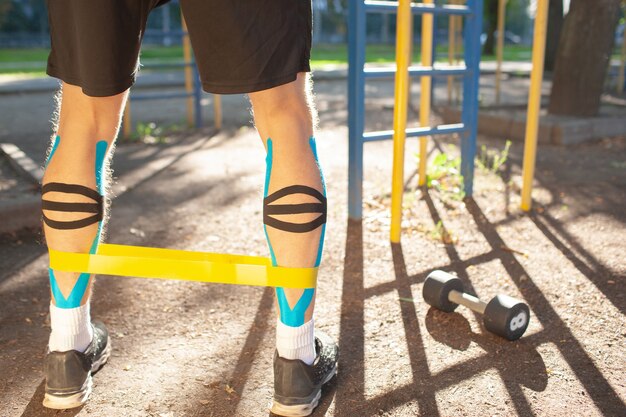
<point>190,349</point>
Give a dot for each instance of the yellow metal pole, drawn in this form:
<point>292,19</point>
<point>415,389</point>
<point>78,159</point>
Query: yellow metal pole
<point>427,59</point>
<point>534,103</point>
<point>401,100</point>
<point>128,123</point>
<point>451,50</point>
<point>500,46</point>
<point>217,110</point>
<point>188,73</point>
<point>620,74</point>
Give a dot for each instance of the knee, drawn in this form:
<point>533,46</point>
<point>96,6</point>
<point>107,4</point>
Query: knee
<point>96,117</point>
<point>281,102</point>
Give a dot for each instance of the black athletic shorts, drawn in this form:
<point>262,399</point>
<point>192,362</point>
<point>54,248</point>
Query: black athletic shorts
<point>240,46</point>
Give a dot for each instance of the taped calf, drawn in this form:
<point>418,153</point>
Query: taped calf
<point>68,207</point>
<point>294,316</point>
<point>295,209</point>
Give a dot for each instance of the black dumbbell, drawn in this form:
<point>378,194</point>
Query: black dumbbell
<point>503,315</point>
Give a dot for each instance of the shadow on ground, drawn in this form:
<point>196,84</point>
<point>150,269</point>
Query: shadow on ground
<point>518,363</point>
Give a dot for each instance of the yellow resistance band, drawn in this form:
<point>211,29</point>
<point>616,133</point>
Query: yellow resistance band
<point>142,262</point>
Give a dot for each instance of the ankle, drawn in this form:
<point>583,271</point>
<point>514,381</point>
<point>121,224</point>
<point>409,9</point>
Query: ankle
<point>296,342</point>
<point>71,328</point>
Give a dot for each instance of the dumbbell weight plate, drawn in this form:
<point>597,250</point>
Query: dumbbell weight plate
<point>506,317</point>
<point>437,287</point>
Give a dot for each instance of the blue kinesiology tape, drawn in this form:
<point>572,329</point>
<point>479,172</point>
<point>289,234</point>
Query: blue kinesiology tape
<point>55,145</point>
<point>288,316</point>
<point>78,291</point>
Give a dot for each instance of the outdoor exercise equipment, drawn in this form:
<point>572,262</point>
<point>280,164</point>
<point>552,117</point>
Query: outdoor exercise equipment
<point>357,74</point>
<point>534,103</point>
<point>455,29</point>
<point>193,88</point>
<point>500,46</point>
<point>503,315</point>
<point>144,262</point>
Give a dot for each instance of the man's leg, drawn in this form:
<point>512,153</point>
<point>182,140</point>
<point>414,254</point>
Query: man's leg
<point>73,191</point>
<point>294,220</point>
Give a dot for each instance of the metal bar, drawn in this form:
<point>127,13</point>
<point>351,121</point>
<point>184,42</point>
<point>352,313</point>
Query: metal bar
<point>534,103</point>
<point>375,6</point>
<point>158,96</point>
<point>469,117</point>
<point>166,65</point>
<point>458,36</point>
<point>401,104</point>
<point>188,72</point>
<point>433,59</point>
<point>356,106</point>
<point>425,88</point>
<point>197,98</point>
<point>451,51</point>
<point>418,70</point>
<point>127,123</point>
<point>500,46</point>
<point>217,110</point>
<point>414,132</point>
<point>468,301</point>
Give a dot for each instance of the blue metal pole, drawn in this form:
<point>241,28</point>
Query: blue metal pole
<point>471,40</point>
<point>433,80</point>
<point>356,106</point>
<point>197,96</point>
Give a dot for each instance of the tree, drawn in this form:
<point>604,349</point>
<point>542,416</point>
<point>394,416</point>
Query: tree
<point>491,20</point>
<point>555,24</point>
<point>583,55</point>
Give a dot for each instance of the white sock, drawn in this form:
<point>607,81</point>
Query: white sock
<point>71,328</point>
<point>296,342</point>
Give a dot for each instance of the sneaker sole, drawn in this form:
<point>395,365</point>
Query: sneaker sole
<point>301,410</point>
<point>64,402</point>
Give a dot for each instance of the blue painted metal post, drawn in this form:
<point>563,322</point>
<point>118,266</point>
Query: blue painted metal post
<point>471,39</point>
<point>357,74</point>
<point>433,80</point>
<point>356,106</point>
<point>197,96</point>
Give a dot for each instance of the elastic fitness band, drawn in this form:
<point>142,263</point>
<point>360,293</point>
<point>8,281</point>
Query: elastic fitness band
<point>143,262</point>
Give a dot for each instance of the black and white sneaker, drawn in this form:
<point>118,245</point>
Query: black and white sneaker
<point>298,386</point>
<point>68,374</point>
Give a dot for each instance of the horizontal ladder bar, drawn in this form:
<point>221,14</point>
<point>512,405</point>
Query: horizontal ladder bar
<point>160,96</point>
<point>418,8</point>
<point>415,132</point>
<point>167,65</point>
<point>417,70</point>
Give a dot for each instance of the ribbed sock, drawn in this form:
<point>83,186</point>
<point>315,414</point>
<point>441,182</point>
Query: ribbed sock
<point>71,328</point>
<point>296,342</point>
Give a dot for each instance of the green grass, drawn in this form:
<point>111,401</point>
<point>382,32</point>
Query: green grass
<point>33,61</point>
<point>23,55</point>
<point>30,61</point>
<point>338,54</point>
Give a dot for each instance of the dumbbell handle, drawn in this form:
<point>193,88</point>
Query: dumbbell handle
<point>467,300</point>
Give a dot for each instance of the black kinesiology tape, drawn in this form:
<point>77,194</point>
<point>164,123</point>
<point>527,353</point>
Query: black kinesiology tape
<point>270,209</point>
<point>91,207</point>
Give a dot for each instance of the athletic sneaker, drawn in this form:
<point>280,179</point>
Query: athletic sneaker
<point>298,386</point>
<point>68,374</point>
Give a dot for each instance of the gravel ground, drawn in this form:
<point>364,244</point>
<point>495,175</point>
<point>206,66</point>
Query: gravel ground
<point>188,349</point>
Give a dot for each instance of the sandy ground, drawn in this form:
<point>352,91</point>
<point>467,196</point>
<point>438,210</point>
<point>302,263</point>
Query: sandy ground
<point>188,349</point>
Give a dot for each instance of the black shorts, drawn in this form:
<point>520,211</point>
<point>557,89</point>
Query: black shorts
<point>240,46</point>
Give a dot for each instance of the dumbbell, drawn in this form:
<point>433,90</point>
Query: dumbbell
<point>503,315</point>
